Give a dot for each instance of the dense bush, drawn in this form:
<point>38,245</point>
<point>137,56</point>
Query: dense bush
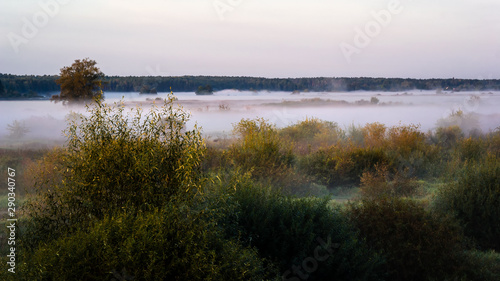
<point>471,149</point>
<point>259,148</point>
<point>493,142</point>
<point>311,134</point>
<point>115,161</point>
<point>268,157</point>
<point>342,165</point>
<point>139,196</point>
<point>170,244</point>
<point>447,137</point>
<point>474,198</point>
<point>292,231</point>
<point>418,245</point>
<point>401,148</point>
<point>382,184</point>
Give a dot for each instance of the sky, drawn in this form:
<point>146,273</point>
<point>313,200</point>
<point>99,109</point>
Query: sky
<point>263,38</point>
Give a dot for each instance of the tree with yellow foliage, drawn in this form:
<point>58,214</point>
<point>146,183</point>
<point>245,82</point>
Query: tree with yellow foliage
<point>80,82</point>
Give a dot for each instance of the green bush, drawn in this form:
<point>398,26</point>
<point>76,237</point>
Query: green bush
<point>341,165</point>
<point>269,158</point>
<point>259,148</point>
<point>493,142</point>
<point>291,231</point>
<point>113,161</point>
<point>471,149</point>
<point>447,137</point>
<point>418,245</point>
<point>474,198</point>
<point>382,184</point>
<point>175,243</point>
<point>312,134</point>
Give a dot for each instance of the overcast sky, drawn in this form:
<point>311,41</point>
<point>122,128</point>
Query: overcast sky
<point>265,38</point>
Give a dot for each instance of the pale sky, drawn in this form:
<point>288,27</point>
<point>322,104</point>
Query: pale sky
<point>264,38</point>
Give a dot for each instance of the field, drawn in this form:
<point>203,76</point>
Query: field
<point>146,195</point>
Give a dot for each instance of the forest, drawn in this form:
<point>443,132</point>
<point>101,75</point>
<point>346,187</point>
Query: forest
<point>134,195</point>
<point>31,86</point>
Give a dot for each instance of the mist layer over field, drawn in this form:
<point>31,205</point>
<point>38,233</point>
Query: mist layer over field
<point>217,113</point>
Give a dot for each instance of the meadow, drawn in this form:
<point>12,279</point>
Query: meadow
<point>142,194</point>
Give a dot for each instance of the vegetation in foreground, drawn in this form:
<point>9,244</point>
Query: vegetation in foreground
<point>137,196</point>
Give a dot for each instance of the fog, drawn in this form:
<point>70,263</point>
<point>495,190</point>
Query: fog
<point>217,113</point>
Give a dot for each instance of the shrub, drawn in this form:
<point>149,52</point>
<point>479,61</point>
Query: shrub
<point>312,134</point>
<point>289,230</point>
<point>374,135</point>
<point>473,197</point>
<point>356,134</point>
<point>175,243</point>
<point>406,139</point>
<point>493,142</point>
<point>418,245</point>
<point>447,137</point>
<point>116,161</point>
<point>260,148</point>
<point>339,165</point>
<point>327,167</point>
<point>471,149</point>
<point>17,130</point>
<point>382,183</point>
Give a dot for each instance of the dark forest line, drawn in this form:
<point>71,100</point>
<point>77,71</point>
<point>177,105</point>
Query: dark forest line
<point>32,86</point>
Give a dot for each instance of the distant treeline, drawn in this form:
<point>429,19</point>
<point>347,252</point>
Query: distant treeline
<point>29,86</point>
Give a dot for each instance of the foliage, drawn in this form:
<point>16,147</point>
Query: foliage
<point>418,245</point>
<point>405,140</point>
<point>205,90</point>
<point>447,137</point>
<point>473,197</point>
<point>20,85</point>
<point>492,143</point>
<point>289,230</point>
<point>374,135</point>
<point>400,148</point>
<point>80,82</point>
<point>311,134</point>
<point>116,160</point>
<point>259,148</point>
<point>261,151</point>
<point>170,244</point>
<point>17,129</point>
<point>471,149</point>
<point>138,195</point>
<point>382,184</point>
<point>341,164</point>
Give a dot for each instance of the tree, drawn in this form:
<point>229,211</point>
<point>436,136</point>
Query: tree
<point>2,89</point>
<point>80,82</point>
<point>17,129</point>
<point>205,90</point>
